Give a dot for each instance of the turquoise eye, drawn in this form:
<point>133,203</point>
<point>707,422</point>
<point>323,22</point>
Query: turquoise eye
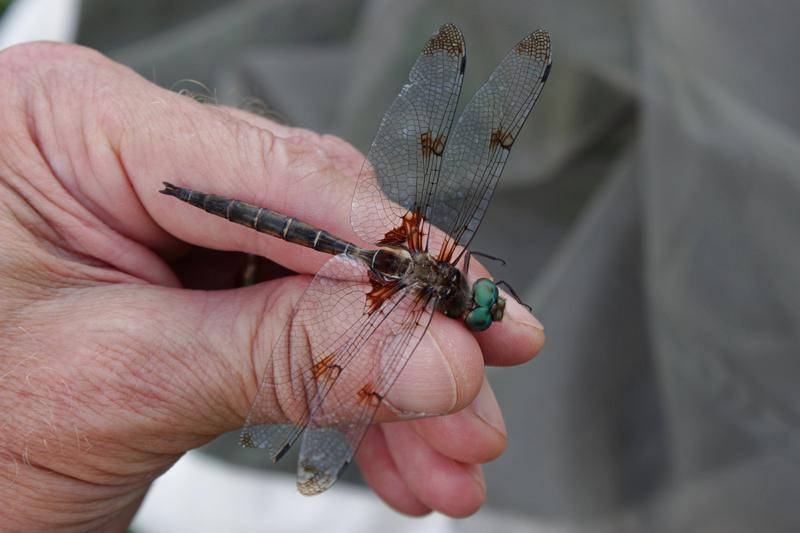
<point>484,293</point>
<point>479,319</point>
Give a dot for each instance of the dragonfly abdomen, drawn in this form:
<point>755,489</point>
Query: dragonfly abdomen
<point>262,219</point>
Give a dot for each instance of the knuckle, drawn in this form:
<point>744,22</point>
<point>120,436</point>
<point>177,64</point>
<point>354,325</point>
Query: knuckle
<point>43,55</point>
<point>54,71</point>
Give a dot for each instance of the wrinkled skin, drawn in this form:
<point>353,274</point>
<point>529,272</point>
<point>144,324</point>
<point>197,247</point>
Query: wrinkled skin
<point>110,370</point>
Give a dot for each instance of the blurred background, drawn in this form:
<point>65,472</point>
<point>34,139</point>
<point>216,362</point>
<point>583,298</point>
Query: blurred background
<point>650,213</point>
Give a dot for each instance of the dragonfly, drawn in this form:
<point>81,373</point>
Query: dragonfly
<point>419,199</point>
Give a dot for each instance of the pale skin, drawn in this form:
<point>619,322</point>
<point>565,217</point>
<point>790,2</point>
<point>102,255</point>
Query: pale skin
<point>109,370</point>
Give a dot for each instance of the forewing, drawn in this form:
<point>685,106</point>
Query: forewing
<point>483,137</point>
<point>329,325</point>
<point>340,421</point>
<point>402,167</point>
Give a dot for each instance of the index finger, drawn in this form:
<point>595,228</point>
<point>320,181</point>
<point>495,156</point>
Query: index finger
<point>303,175</point>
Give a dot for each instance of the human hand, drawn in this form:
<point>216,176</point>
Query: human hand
<point>109,370</point>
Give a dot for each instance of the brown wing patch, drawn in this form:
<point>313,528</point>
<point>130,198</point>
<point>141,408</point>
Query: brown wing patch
<point>246,440</point>
<point>409,232</point>
<point>381,291</point>
<point>448,38</point>
<point>501,138</point>
<point>537,45</point>
<point>368,396</point>
<point>431,145</point>
<point>312,480</point>
<point>326,367</point>
<point>395,237</point>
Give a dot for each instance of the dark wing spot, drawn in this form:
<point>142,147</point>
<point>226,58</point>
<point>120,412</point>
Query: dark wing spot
<point>395,237</point>
<point>501,138</point>
<point>536,45</point>
<point>326,367</point>
<point>409,233</point>
<point>448,38</point>
<point>246,440</point>
<point>381,291</point>
<point>368,396</point>
<point>426,143</point>
<point>313,480</point>
<point>430,145</point>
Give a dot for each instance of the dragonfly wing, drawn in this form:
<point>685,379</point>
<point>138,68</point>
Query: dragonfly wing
<point>340,421</point>
<point>483,137</point>
<point>400,173</point>
<point>318,342</point>
<point>347,341</point>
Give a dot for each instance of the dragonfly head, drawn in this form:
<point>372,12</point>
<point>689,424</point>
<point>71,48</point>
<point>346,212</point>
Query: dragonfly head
<point>488,306</point>
<point>478,307</point>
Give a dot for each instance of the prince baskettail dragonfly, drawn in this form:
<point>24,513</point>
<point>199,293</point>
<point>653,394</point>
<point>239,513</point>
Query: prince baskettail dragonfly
<point>420,197</point>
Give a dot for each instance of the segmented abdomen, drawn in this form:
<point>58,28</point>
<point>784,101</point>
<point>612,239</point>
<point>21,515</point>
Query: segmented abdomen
<point>262,219</point>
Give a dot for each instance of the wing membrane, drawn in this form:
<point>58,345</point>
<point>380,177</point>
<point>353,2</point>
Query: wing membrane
<point>342,419</point>
<point>322,332</point>
<point>352,332</point>
<point>484,135</point>
<point>402,166</point>
<point>329,359</point>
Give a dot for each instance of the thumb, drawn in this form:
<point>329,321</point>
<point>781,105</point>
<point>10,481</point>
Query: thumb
<point>187,365</point>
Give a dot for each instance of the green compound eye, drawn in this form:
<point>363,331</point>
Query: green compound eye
<point>479,319</point>
<point>484,293</point>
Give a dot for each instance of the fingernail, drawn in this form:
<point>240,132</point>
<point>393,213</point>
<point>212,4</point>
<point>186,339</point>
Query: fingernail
<point>486,408</point>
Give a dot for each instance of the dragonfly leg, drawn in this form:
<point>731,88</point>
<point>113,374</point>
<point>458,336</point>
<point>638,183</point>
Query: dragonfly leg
<point>467,257</point>
<point>511,290</point>
<point>487,256</point>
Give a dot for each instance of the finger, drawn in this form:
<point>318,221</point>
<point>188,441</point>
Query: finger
<point>308,176</point>
<point>476,434</point>
<point>380,473</point>
<point>202,354</point>
<point>444,380</point>
<point>453,488</point>
<point>133,135</point>
<point>514,340</point>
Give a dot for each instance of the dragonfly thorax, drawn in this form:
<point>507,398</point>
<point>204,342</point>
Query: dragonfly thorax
<point>478,306</point>
<point>445,281</point>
